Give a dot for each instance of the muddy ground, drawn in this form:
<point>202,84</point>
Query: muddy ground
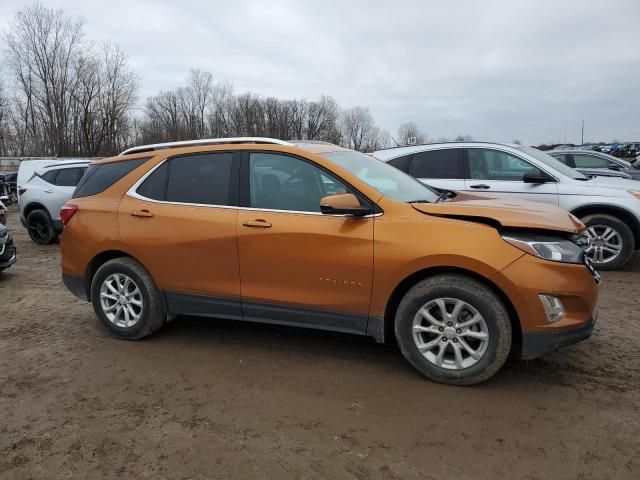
<point>218,399</point>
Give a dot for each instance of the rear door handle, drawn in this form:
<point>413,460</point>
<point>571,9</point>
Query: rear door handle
<point>259,223</point>
<point>142,213</point>
<point>481,186</point>
<point>48,191</point>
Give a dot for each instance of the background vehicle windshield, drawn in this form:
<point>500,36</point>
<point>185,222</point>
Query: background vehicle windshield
<point>554,163</point>
<point>386,179</point>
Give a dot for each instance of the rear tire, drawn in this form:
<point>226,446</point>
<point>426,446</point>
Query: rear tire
<point>423,336</point>
<point>126,299</point>
<point>597,226</point>
<point>40,227</point>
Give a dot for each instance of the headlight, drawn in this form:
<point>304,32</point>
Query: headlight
<point>635,194</point>
<point>546,246</point>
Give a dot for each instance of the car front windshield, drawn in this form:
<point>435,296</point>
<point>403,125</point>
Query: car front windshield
<point>384,178</point>
<point>553,163</point>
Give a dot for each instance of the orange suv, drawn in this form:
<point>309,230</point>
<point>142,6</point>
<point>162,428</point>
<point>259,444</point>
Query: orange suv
<point>315,235</point>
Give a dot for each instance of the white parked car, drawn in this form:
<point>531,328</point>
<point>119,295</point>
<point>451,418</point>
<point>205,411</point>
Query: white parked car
<point>41,197</point>
<point>610,207</point>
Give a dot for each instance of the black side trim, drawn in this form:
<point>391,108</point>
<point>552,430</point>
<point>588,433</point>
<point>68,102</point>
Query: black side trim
<point>57,226</point>
<point>235,309</point>
<point>535,345</point>
<point>375,329</point>
<point>76,286</point>
<point>303,317</point>
<point>203,305</point>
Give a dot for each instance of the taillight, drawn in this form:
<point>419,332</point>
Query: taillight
<point>21,190</point>
<point>67,212</point>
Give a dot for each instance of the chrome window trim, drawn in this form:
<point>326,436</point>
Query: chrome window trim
<point>132,192</point>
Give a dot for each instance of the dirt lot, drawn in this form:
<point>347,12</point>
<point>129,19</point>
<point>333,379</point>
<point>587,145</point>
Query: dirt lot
<point>217,399</point>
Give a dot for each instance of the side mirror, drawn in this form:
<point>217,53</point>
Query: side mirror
<point>343,204</point>
<point>537,177</point>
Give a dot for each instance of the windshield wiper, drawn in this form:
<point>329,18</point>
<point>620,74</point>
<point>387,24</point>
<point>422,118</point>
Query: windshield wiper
<point>443,196</point>
<point>419,201</point>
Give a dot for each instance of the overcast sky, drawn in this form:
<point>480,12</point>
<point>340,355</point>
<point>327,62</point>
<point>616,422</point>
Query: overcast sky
<point>497,70</point>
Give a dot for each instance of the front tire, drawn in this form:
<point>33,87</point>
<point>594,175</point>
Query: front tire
<point>611,239</point>
<point>453,329</point>
<point>40,227</point>
<point>126,300</point>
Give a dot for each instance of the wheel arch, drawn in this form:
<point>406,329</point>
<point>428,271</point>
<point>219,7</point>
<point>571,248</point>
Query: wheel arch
<point>35,205</point>
<point>619,212</point>
<point>100,259</point>
<point>403,287</point>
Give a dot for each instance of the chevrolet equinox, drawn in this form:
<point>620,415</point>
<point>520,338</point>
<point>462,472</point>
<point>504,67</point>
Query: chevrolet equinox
<point>314,235</point>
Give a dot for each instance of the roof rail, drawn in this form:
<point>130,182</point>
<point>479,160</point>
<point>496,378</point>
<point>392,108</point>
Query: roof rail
<point>205,141</point>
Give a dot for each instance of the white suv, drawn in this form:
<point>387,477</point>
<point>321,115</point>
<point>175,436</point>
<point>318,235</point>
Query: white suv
<point>42,196</point>
<point>610,207</point>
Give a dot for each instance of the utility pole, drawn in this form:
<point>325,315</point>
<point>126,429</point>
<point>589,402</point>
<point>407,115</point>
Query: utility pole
<point>582,132</point>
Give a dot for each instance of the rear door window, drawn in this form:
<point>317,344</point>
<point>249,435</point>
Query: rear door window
<point>200,179</point>
<point>100,177</point>
<point>445,163</point>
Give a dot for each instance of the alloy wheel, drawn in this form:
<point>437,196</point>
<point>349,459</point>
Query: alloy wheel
<point>121,300</point>
<point>450,333</point>
<point>605,244</point>
<point>38,227</point>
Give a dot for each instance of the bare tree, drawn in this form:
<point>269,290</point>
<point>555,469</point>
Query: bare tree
<point>360,132</point>
<point>118,96</point>
<point>322,118</point>
<point>73,97</point>
<point>4,120</point>
<point>408,131</point>
<point>43,51</point>
<point>70,97</point>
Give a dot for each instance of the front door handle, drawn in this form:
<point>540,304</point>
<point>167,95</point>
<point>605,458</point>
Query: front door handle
<point>142,213</point>
<point>481,186</point>
<point>259,223</point>
<point>48,191</point>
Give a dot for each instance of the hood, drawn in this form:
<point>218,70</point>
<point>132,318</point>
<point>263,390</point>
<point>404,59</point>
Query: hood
<point>613,182</point>
<point>506,212</point>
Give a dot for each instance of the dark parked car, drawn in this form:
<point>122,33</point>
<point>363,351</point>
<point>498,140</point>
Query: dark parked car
<point>7,249</point>
<point>8,187</point>
<point>595,161</point>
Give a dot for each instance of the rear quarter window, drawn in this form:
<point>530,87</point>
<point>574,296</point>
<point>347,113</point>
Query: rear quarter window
<point>70,177</point>
<point>154,186</point>
<point>50,176</point>
<point>100,177</point>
